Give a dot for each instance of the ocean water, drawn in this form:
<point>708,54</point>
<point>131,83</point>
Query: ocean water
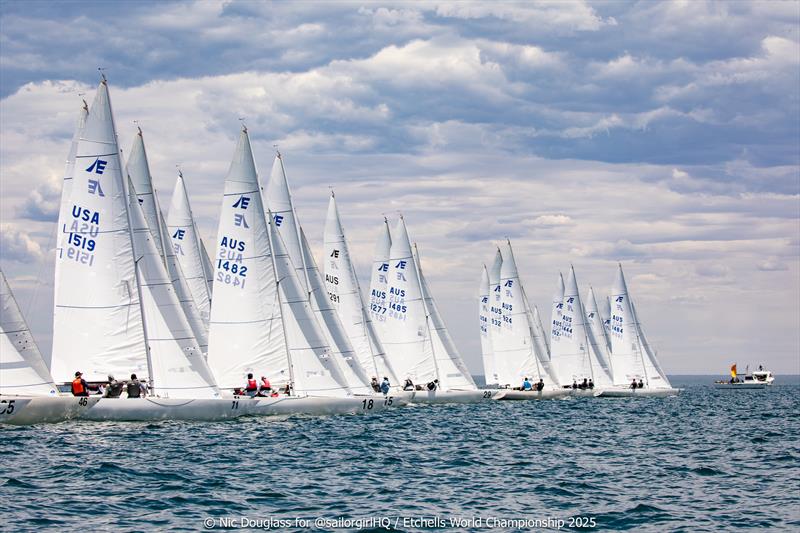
<point>704,461</point>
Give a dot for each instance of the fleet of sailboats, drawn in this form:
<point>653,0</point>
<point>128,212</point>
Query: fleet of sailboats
<point>137,293</point>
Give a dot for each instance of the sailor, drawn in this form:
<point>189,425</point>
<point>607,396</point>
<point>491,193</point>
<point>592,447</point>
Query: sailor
<point>136,388</point>
<point>526,385</point>
<point>584,385</point>
<point>633,384</point>
<point>385,386</point>
<point>287,390</point>
<point>433,385</point>
<point>375,386</point>
<point>114,388</point>
<point>574,384</point>
<point>79,386</point>
<point>265,387</point>
<point>591,383</point>
<point>540,385</point>
<point>409,385</point>
<point>252,386</point>
<point>641,385</point>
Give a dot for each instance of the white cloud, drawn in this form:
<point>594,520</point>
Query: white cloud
<point>18,246</point>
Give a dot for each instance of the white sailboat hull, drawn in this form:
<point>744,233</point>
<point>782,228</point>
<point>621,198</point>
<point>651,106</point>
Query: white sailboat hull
<point>27,410</point>
<point>152,409</point>
<point>316,405</point>
<point>456,396</point>
<point>634,393</point>
<point>535,395</point>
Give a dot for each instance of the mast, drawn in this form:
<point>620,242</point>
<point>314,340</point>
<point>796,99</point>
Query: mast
<point>427,313</point>
<point>280,304</point>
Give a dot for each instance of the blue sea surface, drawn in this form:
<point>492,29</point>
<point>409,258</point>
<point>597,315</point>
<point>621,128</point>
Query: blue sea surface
<point>703,461</point>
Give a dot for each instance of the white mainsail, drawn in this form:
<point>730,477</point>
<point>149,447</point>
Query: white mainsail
<point>246,329</point>
<point>573,357</point>
<point>407,334</point>
<point>97,324</point>
<point>138,170</point>
<point>22,368</point>
<point>379,282</point>
<point>279,203</point>
<point>314,370</point>
<point>189,249</point>
<point>555,320</point>
<point>66,193</point>
<point>495,310</point>
<point>515,346</point>
<point>452,372</point>
<point>484,317</point>
<point>599,335</point>
<point>344,294</point>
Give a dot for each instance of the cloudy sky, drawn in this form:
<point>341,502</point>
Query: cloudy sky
<point>665,136</point>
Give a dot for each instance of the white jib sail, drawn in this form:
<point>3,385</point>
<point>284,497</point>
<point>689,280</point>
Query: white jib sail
<point>598,334</point>
<point>574,358</point>
<point>453,373</point>
<point>656,377</point>
<point>279,202</point>
<point>378,286</point>
<point>188,248</point>
<point>484,316</point>
<point>22,369</point>
<point>246,331</point>
<point>97,324</point>
<point>138,170</point>
<point>344,294</point>
<point>514,345</point>
<point>627,357</point>
<point>178,368</point>
<point>406,334</point>
<point>540,335</point>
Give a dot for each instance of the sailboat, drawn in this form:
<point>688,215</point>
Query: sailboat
<point>138,171</point>
<point>262,321</point>
<point>632,358</point>
<point>415,337</point>
<point>28,394</point>
<point>574,356</point>
<point>344,294</point>
<point>190,250</point>
<point>514,346</point>
<point>115,310</point>
<point>279,202</point>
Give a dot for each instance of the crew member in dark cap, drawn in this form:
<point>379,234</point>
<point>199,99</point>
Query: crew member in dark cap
<point>79,386</point>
